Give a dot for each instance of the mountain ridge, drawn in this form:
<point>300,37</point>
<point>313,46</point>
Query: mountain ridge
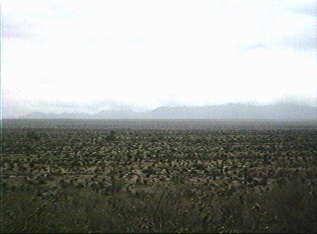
<point>229,111</point>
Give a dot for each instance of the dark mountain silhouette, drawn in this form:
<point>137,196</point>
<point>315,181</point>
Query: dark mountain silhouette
<point>116,114</point>
<point>238,111</point>
<point>232,111</point>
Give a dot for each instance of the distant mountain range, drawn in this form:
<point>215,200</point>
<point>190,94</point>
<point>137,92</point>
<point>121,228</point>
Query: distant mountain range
<point>226,111</point>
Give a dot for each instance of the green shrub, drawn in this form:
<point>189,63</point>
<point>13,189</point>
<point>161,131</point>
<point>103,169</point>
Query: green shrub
<point>288,207</point>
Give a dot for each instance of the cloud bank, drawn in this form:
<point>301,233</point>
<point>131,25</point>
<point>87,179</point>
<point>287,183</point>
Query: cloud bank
<point>86,56</point>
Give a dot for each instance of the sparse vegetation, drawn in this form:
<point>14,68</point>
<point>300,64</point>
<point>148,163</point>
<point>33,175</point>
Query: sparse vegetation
<point>158,180</point>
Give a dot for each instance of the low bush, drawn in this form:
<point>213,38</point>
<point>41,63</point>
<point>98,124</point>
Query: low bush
<point>287,207</point>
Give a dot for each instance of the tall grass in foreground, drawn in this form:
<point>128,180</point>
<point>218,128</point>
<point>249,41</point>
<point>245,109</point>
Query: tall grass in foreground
<point>290,206</point>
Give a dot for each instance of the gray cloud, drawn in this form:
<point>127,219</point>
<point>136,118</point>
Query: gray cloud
<point>252,46</point>
<point>301,41</point>
<point>296,100</point>
<point>91,106</point>
<point>11,30</point>
<point>12,108</point>
<point>59,104</point>
<point>170,100</point>
<point>68,106</point>
<point>308,8</point>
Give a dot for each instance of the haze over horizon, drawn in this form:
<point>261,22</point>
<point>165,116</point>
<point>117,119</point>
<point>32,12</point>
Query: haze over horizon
<point>87,56</point>
<point>231,111</point>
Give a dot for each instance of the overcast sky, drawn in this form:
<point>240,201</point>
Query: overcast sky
<point>87,56</point>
